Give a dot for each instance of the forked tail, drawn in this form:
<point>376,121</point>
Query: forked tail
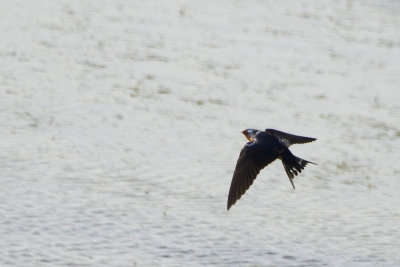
<point>293,165</point>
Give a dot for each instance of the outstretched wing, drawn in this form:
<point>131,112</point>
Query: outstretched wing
<point>290,139</point>
<point>252,160</point>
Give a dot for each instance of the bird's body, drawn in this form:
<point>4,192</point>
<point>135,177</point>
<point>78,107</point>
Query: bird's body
<point>263,148</point>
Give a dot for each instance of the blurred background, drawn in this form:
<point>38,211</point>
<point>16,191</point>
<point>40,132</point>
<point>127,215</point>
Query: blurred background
<point>120,129</point>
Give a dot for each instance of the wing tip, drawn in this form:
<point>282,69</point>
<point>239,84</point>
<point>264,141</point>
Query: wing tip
<point>230,204</point>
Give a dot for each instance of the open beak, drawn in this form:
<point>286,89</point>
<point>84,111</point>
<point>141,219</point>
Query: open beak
<point>248,138</point>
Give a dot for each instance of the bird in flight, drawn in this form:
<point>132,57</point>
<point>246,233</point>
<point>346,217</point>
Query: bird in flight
<point>263,148</point>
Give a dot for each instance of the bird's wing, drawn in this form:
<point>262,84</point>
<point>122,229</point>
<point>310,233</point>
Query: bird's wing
<point>290,139</point>
<point>252,160</point>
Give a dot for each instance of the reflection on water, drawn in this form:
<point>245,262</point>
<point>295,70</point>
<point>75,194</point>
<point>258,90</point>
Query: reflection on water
<point>121,129</point>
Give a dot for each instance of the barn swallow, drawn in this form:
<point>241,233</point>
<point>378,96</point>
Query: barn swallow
<point>263,148</point>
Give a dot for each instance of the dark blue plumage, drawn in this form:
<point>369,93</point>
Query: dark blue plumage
<point>263,148</point>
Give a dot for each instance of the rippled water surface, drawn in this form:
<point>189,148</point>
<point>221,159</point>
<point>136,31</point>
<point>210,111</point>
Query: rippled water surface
<point>120,128</point>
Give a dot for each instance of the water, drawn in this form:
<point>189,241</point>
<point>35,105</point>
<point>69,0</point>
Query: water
<point>120,129</point>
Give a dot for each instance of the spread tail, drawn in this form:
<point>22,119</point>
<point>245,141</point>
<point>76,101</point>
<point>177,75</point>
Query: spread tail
<point>293,165</point>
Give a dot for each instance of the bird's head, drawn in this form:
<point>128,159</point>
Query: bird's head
<point>250,134</point>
